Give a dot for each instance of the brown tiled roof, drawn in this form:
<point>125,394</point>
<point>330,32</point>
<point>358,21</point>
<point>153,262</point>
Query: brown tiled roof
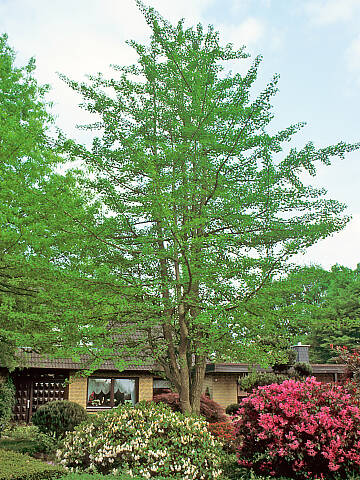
<point>30,359</point>
<point>244,368</point>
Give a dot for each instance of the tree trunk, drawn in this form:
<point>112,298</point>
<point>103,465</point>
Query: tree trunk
<point>197,383</point>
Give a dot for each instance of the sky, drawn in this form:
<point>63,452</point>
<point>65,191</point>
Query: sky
<point>313,44</point>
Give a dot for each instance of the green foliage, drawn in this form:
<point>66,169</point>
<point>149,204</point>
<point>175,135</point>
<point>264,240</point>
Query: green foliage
<point>7,402</point>
<point>258,379</point>
<point>148,439</point>
<point>302,369</point>
<point>16,466</point>
<point>58,417</point>
<point>21,431</point>
<point>40,298</point>
<point>201,204</point>
<point>28,439</point>
<point>336,320</point>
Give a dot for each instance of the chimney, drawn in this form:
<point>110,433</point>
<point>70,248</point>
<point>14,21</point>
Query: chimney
<point>302,352</point>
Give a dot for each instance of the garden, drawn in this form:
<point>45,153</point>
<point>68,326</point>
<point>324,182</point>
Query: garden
<point>297,428</point>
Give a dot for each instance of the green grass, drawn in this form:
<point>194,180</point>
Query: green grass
<point>15,445</point>
<point>16,466</point>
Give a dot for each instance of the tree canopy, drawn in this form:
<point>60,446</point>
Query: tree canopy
<point>336,321</point>
<point>35,205</point>
<point>201,206</point>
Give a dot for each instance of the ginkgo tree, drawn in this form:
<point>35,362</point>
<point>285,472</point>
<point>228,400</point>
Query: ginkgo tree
<point>200,204</point>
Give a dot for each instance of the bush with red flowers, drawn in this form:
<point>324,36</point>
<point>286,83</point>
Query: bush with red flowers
<point>225,432</point>
<point>212,411</point>
<point>305,429</point>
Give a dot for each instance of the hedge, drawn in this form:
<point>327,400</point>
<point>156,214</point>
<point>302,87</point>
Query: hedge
<point>16,466</point>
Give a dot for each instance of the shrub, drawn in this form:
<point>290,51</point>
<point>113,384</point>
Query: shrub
<point>7,402</point>
<point>351,358</point>
<point>42,444</point>
<point>58,417</point>
<point>16,466</point>
<point>146,440</point>
<point>303,369</point>
<point>232,409</point>
<point>212,411</point>
<point>257,379</point>
<point>225,433</point>
<point>300,428</point>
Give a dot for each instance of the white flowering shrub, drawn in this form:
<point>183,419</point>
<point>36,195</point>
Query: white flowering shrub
<point>147,440</point>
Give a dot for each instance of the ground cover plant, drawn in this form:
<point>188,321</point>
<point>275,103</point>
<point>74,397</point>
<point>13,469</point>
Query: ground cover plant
<point>16,466</point>
<point>147,440</point>
<point>304,429</point>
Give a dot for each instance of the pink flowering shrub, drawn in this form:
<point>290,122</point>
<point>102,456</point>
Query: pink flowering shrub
<point>305,428</point>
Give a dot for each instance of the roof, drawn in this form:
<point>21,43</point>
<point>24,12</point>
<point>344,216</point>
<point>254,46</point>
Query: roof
<point>30,359</point>
<point>237,368</point>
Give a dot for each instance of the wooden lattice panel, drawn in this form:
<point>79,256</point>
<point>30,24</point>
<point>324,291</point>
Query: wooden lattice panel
<point>34,389</point>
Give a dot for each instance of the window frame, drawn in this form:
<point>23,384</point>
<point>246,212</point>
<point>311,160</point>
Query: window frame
<point>112,378</point>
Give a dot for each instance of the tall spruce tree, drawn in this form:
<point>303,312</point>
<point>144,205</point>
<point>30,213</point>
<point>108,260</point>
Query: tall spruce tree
<point>201,206</point>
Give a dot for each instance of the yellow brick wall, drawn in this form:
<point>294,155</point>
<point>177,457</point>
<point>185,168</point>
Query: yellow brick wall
<point>78,390</point>
<point>224,389</point>
<point>78,386</point>
<point>145,387</point>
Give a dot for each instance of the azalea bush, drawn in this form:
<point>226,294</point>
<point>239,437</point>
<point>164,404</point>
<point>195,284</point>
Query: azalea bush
<point>147,440</point>
<point>211,410</point>
<point>306,429</point>
<point>225,433</point>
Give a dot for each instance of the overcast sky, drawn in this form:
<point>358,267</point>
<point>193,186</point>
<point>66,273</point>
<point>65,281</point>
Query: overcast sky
<point>313,44</point>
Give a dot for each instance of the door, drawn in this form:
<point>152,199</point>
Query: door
<point>33,389</point>
<point>22,400</point>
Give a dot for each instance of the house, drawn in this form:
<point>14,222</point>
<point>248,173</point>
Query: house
<point>45,379</point>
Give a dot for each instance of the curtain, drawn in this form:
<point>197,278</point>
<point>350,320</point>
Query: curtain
<point>126,386</point>
<point>99,385</point>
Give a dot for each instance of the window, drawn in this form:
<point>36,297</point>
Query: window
<point>111,392</point>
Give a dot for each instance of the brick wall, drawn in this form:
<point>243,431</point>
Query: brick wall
<point>77,390</point>
<point>224,389</point>
<point>145,387</point>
